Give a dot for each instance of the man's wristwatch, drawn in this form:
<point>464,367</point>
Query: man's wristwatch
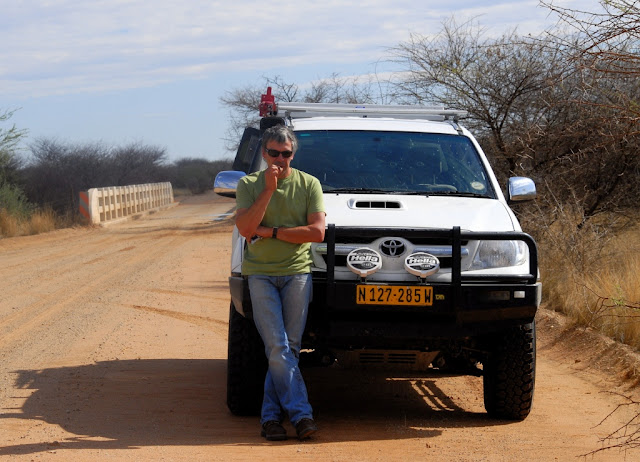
<point>275,232</point>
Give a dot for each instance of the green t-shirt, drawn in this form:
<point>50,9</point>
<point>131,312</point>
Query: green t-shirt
<point>297,196</point>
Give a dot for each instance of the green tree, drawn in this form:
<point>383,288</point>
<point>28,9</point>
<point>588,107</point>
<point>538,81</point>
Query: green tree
<point>9,139</point>
<point>12,198</point>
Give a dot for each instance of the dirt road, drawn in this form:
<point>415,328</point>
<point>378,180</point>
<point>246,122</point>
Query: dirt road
<point>113,347</point>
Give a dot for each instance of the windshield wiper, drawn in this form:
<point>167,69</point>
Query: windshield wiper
<point>413,193</point>
<point>403,192</point>
<point>458,194</point>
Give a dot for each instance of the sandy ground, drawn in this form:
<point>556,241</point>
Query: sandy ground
<point>113,347</point>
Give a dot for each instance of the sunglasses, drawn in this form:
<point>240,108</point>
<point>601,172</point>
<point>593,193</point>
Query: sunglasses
<point>275,153</point>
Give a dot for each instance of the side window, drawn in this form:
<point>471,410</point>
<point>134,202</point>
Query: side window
<point>245,156</point>
<point>466,170</point>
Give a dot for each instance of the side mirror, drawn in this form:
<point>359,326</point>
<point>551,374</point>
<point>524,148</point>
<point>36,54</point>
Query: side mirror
<point>521,189</point>
<point>226,183</point>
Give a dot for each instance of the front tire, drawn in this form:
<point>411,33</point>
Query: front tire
<point>509,373</point>
<point>246,366</point>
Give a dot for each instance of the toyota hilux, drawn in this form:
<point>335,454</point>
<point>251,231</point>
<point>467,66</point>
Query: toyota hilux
<point>424,264</point>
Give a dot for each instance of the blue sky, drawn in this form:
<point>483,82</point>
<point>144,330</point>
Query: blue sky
<point>122,71</point>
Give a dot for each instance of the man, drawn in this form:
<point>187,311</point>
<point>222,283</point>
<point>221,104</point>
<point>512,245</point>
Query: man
<point>280,211</point>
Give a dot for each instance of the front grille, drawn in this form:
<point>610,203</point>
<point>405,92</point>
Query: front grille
<point>414,244</point>
<point>418,241</point>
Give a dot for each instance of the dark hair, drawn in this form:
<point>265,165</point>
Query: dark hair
<point>279,134</point>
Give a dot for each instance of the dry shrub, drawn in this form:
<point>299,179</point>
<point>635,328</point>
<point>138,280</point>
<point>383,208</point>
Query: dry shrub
<point>42,221</point>
<point>36,222</point>
<point>590,268</point>
<point>568,252</point>
<point>615,293</point>
<point>70,219</point>
<point>9,224</point>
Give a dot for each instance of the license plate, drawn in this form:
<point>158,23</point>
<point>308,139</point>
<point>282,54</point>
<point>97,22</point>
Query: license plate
<point>371,294</point>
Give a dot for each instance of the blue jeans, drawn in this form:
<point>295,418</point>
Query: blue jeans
<point>280,306</point>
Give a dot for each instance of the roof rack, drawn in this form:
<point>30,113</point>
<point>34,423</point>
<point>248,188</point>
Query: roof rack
<point>305,110</point>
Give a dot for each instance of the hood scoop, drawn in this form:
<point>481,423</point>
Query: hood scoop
<point>374,204</point>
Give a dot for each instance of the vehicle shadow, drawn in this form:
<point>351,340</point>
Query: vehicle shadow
<point>407,404</point>
<point>125,404</point>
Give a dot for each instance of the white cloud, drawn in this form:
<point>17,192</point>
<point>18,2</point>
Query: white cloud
<point>69,46</point>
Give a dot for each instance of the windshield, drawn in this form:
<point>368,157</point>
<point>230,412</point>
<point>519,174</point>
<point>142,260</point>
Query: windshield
<point>399,162</point>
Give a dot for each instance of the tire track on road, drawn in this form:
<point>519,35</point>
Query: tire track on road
<point>74,288</point>
<point>216,325</point>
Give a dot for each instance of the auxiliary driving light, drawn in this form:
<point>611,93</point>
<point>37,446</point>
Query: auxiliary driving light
<point>364,261</point>
<point>422,264</point>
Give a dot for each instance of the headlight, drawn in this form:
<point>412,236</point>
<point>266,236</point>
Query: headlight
<point>499,254</point>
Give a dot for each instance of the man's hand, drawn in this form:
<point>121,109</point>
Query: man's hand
<point>248,220</point>
<point>313,231</point>
<point>271,177</point>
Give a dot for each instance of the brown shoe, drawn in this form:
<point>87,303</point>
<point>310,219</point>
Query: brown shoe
<point>273,431</point>
<point>305,428</point>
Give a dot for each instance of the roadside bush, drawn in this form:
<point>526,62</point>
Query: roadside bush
<point>42,221</point>
<point>13,201</point>
<point>197,175</point>
<point>604,296</point>
<point>39,221</point>
<point>589,268</point>
<point>19,217</point>
<point>57,172</point>
<point>9,225</point>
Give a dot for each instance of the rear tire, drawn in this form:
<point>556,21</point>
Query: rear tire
<point>509,373</point>
<point>246,366</point>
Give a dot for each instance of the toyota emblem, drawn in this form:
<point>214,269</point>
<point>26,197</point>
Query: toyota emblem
<point>392,247</point>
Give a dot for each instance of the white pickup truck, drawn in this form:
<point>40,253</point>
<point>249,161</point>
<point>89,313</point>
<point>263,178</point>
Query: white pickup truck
<point>424,265</point>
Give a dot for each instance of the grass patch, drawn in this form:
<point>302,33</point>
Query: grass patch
<point>36,222</point>
<point>590,273</point>
<point>42,221</point>
<point>9,224</point>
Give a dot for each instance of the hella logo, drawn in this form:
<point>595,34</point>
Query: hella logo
<point>421,264</point>
<point>424,261</point>
<point>364,261</point>
<point>372,258</point>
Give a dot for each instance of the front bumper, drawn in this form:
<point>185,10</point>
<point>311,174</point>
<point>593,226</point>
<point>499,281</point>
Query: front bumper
<point>468,305</point>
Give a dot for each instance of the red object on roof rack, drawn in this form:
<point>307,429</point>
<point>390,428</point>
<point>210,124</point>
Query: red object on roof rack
<point>268,106</point>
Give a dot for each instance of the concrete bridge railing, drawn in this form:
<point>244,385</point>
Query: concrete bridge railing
<point>115,203</point>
